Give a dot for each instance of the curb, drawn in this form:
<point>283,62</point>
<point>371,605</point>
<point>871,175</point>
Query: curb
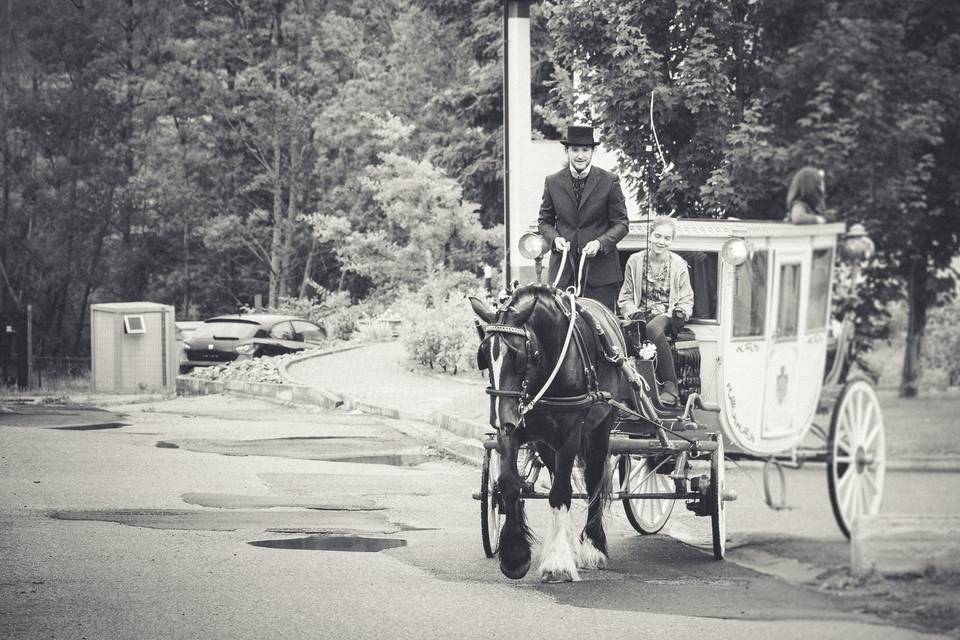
<point>930,464</point>
<point>295,393</point>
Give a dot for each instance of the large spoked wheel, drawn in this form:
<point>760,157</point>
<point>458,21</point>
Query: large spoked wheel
<point>490,516</point>
<point>638,475</point>
<point>858,459</point>
<point>718,516</point>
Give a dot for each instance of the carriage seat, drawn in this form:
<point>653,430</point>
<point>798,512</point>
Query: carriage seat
<point>636,329</point>
<point>686,358</point>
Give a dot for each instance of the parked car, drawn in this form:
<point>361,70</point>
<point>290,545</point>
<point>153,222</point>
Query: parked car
<point>185,328</point>
<point>238,337</point>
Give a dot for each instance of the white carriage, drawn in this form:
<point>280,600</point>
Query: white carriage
<point>764,374</point>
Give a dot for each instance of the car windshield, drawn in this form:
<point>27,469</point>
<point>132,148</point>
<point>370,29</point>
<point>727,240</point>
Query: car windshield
<point>226,330</point>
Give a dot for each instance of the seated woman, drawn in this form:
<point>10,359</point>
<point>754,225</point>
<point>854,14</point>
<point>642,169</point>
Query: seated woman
<point>806,197</point>
<point>656,289</point>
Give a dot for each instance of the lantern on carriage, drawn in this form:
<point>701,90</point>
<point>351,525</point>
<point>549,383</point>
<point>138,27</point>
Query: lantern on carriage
<point>533,247</point>
<point>857,245</point>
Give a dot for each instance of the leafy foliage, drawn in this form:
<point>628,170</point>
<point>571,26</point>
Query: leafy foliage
<point>183,152</point>
<point>744,93</point>
<point>942,345</point>
<point>438,330</point>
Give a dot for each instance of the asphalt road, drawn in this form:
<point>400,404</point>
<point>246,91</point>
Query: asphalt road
<point>139,524</point>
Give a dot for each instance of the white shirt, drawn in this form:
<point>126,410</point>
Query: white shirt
<point>582,175</point>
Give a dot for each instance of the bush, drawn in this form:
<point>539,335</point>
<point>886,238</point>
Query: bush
<point>438,329</point>
<point>941,344</point>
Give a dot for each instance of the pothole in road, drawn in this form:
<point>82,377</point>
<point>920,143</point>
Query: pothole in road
<point>394,460</point>
<point>396,452</point>
<point>236,501</point>
<point>93,427</point>
<point>332,543</point>
<point>306,521</point>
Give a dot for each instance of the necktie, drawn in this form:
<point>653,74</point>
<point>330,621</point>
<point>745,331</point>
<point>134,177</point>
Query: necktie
<point>578,188</point>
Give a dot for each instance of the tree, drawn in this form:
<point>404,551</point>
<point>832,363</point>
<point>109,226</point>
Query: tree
<point>421,222</point>
<point>745,93</point>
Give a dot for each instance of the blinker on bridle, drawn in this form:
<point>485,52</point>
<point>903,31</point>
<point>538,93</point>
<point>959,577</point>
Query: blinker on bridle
<point>522,356</point>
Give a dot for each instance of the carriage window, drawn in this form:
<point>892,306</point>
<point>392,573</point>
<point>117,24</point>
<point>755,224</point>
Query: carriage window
<point>703,280</point>
<point>819,289</point>
<point>750,297</point>
<point>788,306</point>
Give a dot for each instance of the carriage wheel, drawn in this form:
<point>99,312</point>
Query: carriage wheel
<point>490,516</point>
<point>637,475</point>
<point>857,462</point>
<point>718,516</point>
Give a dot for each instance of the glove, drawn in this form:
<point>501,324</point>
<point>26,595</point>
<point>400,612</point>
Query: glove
<point>679,319</point>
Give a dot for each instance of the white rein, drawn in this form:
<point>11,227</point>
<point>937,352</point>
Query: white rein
<point>571,293</point>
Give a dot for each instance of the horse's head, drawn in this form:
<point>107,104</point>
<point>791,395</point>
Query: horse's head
<point>511,353</point>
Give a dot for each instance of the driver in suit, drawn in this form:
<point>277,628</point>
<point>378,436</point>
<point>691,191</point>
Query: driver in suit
<point>584,210</point>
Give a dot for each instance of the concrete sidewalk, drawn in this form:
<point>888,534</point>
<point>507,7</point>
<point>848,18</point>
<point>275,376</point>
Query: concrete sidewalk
<point>379,378</point>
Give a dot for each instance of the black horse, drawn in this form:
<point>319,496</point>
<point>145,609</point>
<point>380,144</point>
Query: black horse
<point>524,341</point>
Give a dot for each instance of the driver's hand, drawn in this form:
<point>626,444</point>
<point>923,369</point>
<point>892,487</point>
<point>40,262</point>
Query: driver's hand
<point>592,248</point>
<point>560,243</point>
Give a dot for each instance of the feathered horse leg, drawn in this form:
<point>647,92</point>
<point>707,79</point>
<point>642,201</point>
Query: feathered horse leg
<point>559,559</point>
<point>593,542</point>
<point>516,537</point>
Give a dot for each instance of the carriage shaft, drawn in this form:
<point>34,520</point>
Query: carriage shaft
<point>654,448</point>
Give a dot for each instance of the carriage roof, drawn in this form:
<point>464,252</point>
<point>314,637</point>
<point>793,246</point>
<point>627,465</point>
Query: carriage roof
<point>708,233</point>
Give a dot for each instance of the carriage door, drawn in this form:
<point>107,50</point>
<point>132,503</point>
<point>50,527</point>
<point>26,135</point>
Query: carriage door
<point>780,393</point>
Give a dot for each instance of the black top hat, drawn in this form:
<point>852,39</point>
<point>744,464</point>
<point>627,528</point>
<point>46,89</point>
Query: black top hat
<point>579,136</point>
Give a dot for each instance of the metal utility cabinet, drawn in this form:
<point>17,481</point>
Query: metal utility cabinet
<point>133,346</point>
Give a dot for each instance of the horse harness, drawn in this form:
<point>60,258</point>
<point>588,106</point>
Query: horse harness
<point>528,356</point>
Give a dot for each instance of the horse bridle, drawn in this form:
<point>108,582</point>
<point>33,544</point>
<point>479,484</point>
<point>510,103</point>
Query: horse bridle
<point>563,403</point>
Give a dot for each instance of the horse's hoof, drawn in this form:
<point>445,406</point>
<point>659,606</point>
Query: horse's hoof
<point>516,573</point>
<point>559,576</point>
<point>589,557</point>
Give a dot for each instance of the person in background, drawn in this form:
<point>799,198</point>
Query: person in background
<point>488,279</point>
<point>584,210</point>
<point>806,197</point>
<point>656,290</point>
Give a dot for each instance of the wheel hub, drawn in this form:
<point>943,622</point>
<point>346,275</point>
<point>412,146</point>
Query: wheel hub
<point>862,458</point>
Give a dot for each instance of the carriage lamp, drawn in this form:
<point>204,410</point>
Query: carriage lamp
<point>735,251</point>
<point>534,247</point>
<point>857,245</point>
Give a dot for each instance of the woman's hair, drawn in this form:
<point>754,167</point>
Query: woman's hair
<point>664,221</point>
<point>805,186</point>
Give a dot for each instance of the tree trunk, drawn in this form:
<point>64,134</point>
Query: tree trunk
<point>916,326</point>
<point>185,313</point>
<point>276,243</point>
<point>293,210</point>
<point>308,267</point>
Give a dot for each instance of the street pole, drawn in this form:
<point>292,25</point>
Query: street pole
<point>517,119</point>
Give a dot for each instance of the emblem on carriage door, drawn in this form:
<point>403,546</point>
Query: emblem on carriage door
<point>782,385</point>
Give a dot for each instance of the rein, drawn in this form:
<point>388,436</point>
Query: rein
<point>567,403</point>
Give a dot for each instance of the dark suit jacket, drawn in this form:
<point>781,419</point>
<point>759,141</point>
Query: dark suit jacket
<point>602,216</point>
